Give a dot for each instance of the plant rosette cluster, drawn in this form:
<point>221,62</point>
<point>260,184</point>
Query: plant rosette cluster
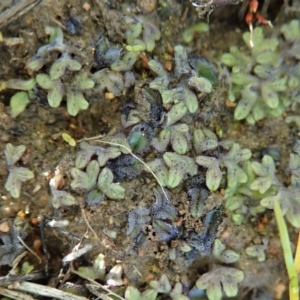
<point>260,82</point>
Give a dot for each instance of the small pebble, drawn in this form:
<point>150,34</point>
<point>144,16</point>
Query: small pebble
<point>109,96</point>
<point>86,6</point>
<point>4,227</point>
<point>146,6</point>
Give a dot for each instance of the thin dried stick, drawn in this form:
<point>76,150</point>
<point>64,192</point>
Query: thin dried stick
<point>92,138</point>
<point>31,251</point>
<point>9,279</point>
<point>98,137</point>
<point>140,160</point>
<point>104,240</point>
<point>88,224</point>
<point>14,294</point>
<point>46,291</point>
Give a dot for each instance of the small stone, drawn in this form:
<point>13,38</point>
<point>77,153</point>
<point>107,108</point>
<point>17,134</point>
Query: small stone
<point>4,227</point>
<point>146,6</point>
<point>86,6</point>
<point>109,96</point>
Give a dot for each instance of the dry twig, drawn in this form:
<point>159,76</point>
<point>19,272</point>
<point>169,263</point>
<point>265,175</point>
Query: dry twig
<point>46,291</point>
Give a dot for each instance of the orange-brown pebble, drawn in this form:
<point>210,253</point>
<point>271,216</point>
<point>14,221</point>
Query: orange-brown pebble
<point>230,244</point>
<point>279,290</point>
<point>168,65</point>
<point>34,221</point>
<point>109,96</point>
<point>230,104</point>
<point>272,250</point>
<point>21,214</point>
<point>37,248</point>
<point>149,277</point>
<point>146,6</point>
<point>86,6</point>
<point>144,59</point>
<point>167,106</point>
<point>104,120</point>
